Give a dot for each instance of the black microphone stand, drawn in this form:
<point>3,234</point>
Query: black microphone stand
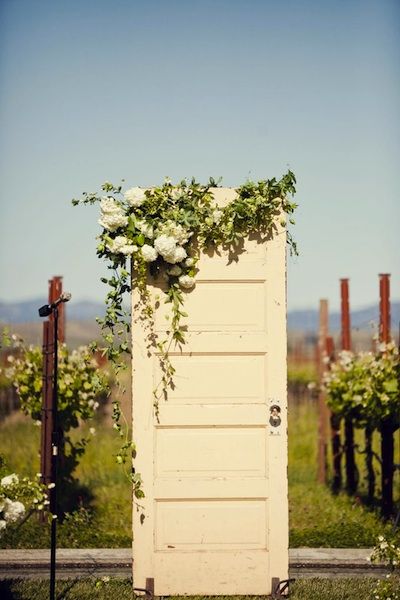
<point>46,311</point>
<point>54,462</point>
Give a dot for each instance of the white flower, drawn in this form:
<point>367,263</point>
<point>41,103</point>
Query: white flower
<point>177,193</point>
<point>189,262</point>
<point>92,431</point>
<point>166,246</point>
<point>135,196</point>
<point>217,215</point>
<point>146,229</point>
<point>172,229</point>
<point>10,358</point>
<point>179,254</point>
<point>149,253</point>
<point>51,486</point>
<point>112,215</point>
<point>186,281</point>
<point>3,524</point>
<point>13,510</point>
<point>121,245</point>
<point>9,479</point>
<point>105,579</point>
<point>108,206</point>
<point>175,270</point>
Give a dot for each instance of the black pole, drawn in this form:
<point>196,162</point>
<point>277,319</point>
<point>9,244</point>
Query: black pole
<point>54,463</point>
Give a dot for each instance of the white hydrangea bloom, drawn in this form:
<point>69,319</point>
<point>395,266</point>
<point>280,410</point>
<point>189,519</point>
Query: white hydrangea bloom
<point>112,215</point>
<point>146,229</point>
<point>186,281</point>
<point>135,196</point>
<point>217,215</point>
<point>166,246</point>
<point>149,253</point>
<point>13,510</point>
<point>109,206</point>
<point>175,270</point>
<point>172,229</point>
<point>3,524</point>
<point>179,254</point>
<point>10,479</point>
<point>121,245</point>
<point>176,193</point>
<point>113,222</point>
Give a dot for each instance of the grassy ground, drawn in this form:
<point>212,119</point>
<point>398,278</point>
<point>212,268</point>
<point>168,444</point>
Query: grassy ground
<point>121,589</point>
<point>107,524</point>
<point>317,518</point>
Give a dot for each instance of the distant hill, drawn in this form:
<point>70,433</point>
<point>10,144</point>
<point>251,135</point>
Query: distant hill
<point>307,320</point>
<point>81,316</point>
<point>81,328</point>
<point>26,311</point>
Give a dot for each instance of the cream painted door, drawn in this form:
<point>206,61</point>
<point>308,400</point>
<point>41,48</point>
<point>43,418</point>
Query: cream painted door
<point>214,465</point>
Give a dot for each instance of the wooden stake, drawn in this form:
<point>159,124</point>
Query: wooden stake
<point>322,407</point>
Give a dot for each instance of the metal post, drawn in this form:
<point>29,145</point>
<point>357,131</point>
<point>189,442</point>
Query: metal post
<point>54,461</point>
<point>47,413</point>
<point>51,310</point>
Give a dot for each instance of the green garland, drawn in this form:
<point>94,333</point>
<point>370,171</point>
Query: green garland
<point>162,231</point>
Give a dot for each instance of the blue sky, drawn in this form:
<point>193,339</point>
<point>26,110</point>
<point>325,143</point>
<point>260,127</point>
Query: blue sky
<point>104,90</point>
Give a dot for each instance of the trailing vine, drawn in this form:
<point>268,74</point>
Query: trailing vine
<point>162,231</point>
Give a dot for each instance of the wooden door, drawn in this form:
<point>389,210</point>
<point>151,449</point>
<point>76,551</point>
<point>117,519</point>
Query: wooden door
<point>214,464</point>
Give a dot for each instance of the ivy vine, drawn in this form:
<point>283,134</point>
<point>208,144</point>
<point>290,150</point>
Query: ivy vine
<point>161,232</point>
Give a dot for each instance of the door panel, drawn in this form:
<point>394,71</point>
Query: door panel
<point>214,468</point>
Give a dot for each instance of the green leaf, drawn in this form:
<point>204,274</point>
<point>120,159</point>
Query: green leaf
<point>140,239</point>
<point>391,386</point>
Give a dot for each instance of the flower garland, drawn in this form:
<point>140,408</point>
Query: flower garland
<point>162,231</point>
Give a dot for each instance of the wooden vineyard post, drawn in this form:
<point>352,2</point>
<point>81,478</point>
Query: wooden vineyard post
<point>351,480</point>
<point>323,412</point>
<point>335,421</point>
<point>54,292</point>
<point>387,427</point>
